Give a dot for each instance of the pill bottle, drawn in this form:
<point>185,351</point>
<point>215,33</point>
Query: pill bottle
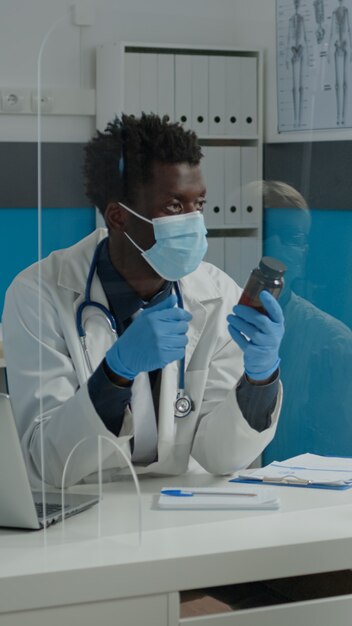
<point>269,275</point>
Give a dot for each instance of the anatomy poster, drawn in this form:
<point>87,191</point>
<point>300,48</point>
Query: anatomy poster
<point>314,64</point>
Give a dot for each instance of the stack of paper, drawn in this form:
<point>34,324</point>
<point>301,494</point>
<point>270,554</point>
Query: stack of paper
<point>226,497</point>
<point>304,470</point>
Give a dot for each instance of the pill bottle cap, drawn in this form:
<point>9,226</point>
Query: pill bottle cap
<point>272,268</point>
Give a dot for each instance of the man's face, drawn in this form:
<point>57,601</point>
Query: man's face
<point>286,234</point>
<point>175,189</point>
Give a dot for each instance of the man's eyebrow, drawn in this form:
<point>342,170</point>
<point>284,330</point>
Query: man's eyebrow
<point>180,196</point>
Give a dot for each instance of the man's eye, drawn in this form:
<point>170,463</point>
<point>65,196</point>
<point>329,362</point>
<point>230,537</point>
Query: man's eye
<point>200,205</point>
<point>174,208</point>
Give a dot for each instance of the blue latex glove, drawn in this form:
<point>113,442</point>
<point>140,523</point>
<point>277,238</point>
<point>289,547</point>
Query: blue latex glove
<point>258,335</point>
<point>155,338</point>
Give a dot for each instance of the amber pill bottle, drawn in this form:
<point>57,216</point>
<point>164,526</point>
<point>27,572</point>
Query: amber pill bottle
<point>269,275</point>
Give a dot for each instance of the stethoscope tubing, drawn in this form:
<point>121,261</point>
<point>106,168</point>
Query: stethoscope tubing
<point>182,400</point>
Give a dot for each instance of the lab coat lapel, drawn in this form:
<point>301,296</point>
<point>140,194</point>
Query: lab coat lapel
<point>170,379</point>
<point>166,422</point>
<point>196,325</point>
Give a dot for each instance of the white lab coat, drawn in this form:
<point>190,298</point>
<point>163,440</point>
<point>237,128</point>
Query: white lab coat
<point>215,434</point>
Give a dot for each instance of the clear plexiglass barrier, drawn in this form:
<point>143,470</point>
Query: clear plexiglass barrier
<point>68,452</point>
<point>275,165</point>
<point>82,452</point>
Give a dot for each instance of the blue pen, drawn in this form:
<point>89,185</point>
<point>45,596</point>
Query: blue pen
<point>175,492</point>
<point>204,491</point>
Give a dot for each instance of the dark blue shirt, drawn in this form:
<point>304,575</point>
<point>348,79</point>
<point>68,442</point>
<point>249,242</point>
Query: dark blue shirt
<point>256,402</point>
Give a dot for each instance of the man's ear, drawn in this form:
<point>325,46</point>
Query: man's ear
<point>115,217</point>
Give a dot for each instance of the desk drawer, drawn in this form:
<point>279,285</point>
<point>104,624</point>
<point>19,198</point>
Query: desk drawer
<point>322,612</point>
<point>145,611</point>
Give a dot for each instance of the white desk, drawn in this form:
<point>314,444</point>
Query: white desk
<point>111,581</point>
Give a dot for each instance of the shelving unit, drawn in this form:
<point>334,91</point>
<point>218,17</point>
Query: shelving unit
<point>217,92</point>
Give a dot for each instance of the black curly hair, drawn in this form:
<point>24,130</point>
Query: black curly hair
<point>119,160</point>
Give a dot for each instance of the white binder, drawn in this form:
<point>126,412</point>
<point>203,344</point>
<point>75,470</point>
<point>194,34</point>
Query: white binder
<point>199,94</point>
<point>251,186</point>
<point>183,89</point>
<point>217,84</point>
<point>148,83</point>
<point>248,91</point>
<point>233,98</point>
<point>232,203</point>
<point>166,87</point>
<point>132,101</point>
<point>213,167</point>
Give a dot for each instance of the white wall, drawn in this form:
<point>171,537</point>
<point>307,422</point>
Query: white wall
<point>69,55</point>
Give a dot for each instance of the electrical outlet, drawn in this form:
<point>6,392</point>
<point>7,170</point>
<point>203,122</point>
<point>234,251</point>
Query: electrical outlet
<point>12,101</point>
<point>46,99</point>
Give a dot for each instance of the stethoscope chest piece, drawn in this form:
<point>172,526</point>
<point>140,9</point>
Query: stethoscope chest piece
<point>183,404</point>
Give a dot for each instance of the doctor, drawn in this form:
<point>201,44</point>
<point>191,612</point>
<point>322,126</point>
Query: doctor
<point>139,340</point>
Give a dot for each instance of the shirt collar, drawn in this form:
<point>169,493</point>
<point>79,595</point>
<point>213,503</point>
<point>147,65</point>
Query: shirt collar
<point>123,300</point>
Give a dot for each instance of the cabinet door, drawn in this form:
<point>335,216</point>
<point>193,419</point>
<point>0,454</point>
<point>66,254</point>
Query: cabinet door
<point>147,610</point>
<point>251,186</point>
<point>232,174</point>
<point>249,95</point>
<point>213,171</point>
<point>217,84</point>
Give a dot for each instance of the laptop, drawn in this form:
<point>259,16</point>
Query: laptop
<point>20,507</point>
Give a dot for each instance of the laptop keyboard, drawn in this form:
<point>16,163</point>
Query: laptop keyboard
<point>51,508</point>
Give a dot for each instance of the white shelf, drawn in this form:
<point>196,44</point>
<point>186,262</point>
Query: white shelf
<point>228,138</point>
<point>203,87</point>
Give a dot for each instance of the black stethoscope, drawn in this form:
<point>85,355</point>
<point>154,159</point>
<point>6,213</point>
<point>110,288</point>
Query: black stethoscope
<point>183,403</point>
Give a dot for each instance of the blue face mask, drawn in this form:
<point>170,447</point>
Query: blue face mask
<point>180,244</point>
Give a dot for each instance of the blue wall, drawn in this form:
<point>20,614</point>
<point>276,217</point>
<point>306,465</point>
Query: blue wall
<point>327,281</point>
<point>329,266</point>
<point>19,237</point>
<point>316,352</point>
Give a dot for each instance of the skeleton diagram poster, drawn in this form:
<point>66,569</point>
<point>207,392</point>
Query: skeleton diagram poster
<point>314,64</point>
